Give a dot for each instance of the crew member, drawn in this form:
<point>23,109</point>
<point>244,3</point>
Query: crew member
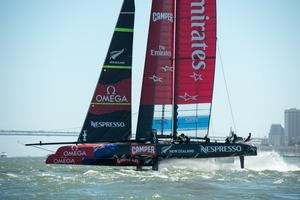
<point>227,140</point>
<point>207,140</point>
<point>181,138</point>
<point>248,138</point>
<point>154,136</point>
<point>187,139</point>
<point>230,138</point>
<point>234,138</point>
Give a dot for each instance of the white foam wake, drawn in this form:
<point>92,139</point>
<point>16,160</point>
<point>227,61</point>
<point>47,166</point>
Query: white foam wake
<point>263,161</point>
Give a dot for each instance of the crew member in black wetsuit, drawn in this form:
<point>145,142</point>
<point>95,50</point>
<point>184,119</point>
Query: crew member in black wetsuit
<point>187,139</point>
<point>234,138</point>
<point>248,138</point>
<point>181,138</point>
<point>154,136</point>
<point>207,140</point>
<point>227,140</point>
<point>230,138</point>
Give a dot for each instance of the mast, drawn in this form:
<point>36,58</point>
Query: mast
<point>174,104</point>
<point>162,119</point>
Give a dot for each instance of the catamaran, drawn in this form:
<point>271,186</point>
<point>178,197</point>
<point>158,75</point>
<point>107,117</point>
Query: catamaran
<point>176,97</point>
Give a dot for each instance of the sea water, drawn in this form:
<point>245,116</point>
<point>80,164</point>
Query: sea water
<point>267,176</point>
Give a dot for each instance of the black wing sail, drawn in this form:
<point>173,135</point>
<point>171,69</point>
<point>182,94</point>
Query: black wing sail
<point>109,114</point>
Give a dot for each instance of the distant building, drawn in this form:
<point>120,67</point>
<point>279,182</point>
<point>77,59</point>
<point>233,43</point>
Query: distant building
<point>276,135</point>
<point>292,126</point>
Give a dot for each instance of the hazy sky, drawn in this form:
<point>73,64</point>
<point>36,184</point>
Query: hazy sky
<point>51,53</point>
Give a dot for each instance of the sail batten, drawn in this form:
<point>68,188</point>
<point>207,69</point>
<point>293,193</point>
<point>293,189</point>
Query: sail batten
<point>124,29</point>
<point>117,67</point>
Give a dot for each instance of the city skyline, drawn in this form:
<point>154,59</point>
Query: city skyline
<point>292,126</point>
<point>289,134</point>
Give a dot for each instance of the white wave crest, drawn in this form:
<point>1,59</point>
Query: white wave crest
<point>11,175</point>
<point>90,173</point>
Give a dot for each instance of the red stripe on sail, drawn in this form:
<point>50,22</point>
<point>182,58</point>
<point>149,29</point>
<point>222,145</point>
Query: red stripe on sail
<point>158,74</point>
<point>111,98</point>
<point>195,51</point>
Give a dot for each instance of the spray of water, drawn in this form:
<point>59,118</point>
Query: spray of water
<point>270,160</point>
<point>263,161</point>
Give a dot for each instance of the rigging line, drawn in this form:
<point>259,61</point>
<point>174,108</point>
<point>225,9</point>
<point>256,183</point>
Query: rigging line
<point>227,91</point>
<point>38,147</point>
<point>43,149</point>
<point>212,127</point>
<point>174,107</point>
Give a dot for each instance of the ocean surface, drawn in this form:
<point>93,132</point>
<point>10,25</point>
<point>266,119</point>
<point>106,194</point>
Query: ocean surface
<point>267,176</point>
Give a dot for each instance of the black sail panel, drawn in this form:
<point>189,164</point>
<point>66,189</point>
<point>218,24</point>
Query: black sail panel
<point>109,114</point>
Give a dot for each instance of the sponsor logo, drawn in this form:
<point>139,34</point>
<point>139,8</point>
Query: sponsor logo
<point>187,97</point>
<point>251,150</point>
<point>111,96</point>
<point>159,16</point>
<point>155,78</point>
<point>107,124</point>
<point>98,147</point>
<point>190,119</point>
<point>74,152</point>
<point>114,56</point>
<point>167,68</point>
<point>220,149</point>
<point>181,150</point>
<point>64,161</point>
<point>196,77</point>
<point>84,135</point>
<point>166,149</point>
<point>198,35</point>
<point>143,150</point>
<point>125,161</point>
<point>162,51</point>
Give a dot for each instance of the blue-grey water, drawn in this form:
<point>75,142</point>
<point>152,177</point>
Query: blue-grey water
<point>267,176</point>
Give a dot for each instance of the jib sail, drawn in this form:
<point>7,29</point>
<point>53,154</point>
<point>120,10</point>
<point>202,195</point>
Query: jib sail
<point>109,114</point>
